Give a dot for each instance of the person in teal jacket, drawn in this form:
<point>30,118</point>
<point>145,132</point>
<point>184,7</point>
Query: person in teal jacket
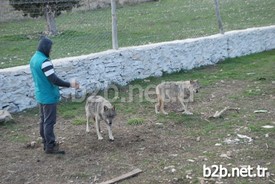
<point>47,94</point>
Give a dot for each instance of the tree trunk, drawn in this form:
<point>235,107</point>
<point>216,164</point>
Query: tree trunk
<point>49,14</point>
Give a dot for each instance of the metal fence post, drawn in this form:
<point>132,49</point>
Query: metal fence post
<point>114,25</point>
<point>219,16</point>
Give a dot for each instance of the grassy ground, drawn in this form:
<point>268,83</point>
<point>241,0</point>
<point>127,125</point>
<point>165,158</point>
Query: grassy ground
<point>169,149</point>
<point>88,32</point>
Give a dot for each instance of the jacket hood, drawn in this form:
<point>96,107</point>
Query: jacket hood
<point>45,46</point>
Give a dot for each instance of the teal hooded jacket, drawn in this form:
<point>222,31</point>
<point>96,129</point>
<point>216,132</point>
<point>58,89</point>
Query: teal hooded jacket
<point>45,91</point>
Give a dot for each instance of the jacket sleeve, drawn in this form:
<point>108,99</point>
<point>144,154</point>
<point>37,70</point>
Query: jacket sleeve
<point>47,68</point>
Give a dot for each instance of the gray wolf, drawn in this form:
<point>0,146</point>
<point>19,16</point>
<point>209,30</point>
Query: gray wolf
<point>174,91</point>
<point>98,109</point>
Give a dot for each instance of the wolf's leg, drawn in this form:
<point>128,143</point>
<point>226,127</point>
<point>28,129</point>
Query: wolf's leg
<point>111,137</point>
<point>157,105</point>
<point>97,129</point>
<point>162,106</point>
<point>87,124</point>
<point>184,107</point>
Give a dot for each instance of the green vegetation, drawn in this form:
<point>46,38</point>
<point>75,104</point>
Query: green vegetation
<point>85,32</point>
<point>175,141</point>
<point>257,70</point>
<point>15,132</point>
<point>135,121</point>
<point>79,121</point>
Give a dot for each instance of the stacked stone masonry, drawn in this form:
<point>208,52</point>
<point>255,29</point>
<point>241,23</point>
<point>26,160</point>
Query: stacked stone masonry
<point>97,71</point>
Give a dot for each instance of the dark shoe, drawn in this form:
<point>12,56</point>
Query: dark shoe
<point>54,150</point>
<point>49,151</point>
<point>56,145</point>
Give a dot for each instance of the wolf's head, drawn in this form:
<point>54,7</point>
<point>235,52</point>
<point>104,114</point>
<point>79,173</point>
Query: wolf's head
<point>109,114</point>
<point>195,85</point>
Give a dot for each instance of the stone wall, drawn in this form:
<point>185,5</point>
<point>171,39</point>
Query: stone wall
<point>127,64</point>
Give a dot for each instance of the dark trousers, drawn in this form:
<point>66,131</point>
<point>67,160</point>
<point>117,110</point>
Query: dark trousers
<point>47,122</point>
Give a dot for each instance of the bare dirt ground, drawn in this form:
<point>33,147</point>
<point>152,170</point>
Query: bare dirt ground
<point>168,149</point>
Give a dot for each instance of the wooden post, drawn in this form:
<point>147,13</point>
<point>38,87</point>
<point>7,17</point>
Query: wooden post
<point>219,16</point>
<point>114,25</point>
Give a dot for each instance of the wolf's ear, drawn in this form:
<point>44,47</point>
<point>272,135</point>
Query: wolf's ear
<point>106,108</point>
<point>114,107</point>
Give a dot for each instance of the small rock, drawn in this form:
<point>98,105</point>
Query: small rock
<point>224,156</point>
<point>268,126</point>
<point>5,116</point>
<point>173,155</point>
<point>232,141</point>
<point>245,137</point>
<point>229,153</point>
<point>169,167</point>
<point>159,124</point>
<point>190,160</point>
<point>198,139</point>
<point>33,143</point>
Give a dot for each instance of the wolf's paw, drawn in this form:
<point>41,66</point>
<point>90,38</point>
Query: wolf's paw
<point>87,130</point>
<point>180,110</point>
<point>100,138</point>
<point>111,139</point>
<point>165,113</point>
<point>187,113</point>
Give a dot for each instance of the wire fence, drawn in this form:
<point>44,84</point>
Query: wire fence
<point>87,28</point>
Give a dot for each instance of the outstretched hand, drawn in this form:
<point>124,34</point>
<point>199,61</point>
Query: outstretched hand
<point>74,84</point>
